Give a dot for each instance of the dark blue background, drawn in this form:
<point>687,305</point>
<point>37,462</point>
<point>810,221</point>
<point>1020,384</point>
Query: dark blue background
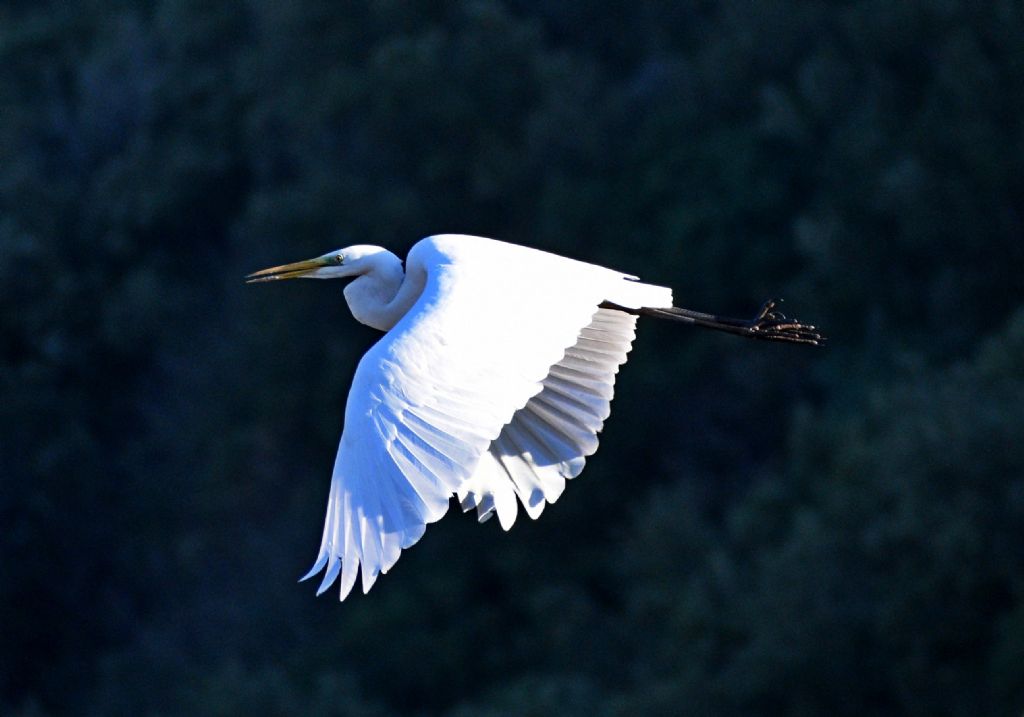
<point>766,529</point>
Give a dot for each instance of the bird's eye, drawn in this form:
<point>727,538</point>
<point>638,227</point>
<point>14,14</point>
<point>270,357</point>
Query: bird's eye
<point>339,259</point>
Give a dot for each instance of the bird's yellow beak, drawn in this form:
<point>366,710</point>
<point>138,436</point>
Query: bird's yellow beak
<point>287,271</point>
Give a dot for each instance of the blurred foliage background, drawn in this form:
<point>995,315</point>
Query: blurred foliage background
<point>806,532</point>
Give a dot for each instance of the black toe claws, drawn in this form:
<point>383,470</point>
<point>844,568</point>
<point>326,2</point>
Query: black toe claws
<point>773,325</point>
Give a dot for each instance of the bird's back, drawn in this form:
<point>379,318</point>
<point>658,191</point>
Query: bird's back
<point>514,268</point>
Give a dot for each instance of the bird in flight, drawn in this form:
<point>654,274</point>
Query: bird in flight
<point>492,381</point>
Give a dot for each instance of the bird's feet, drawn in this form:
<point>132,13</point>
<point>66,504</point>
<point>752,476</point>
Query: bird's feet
<point>772,325</point>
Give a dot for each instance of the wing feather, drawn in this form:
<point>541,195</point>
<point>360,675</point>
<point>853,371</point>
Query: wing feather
<point>547,441</point>
<point>584,380</point>
<point>581,400</point>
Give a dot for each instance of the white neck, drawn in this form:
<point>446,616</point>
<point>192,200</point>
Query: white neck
<point>383,293</point>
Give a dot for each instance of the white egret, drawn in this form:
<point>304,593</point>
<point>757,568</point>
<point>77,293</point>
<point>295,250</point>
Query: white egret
<point>491,384</point>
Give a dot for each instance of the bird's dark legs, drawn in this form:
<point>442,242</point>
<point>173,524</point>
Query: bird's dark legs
<point>768,325</point>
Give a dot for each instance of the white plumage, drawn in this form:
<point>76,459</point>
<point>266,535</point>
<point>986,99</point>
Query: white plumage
<point>491,384</point>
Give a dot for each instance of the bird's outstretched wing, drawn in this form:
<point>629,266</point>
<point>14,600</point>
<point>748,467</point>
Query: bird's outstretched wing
<point>430,398</point>
<point>547,440</point>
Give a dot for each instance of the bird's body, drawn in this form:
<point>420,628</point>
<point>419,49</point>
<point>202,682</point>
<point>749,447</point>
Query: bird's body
<point>494,377</point>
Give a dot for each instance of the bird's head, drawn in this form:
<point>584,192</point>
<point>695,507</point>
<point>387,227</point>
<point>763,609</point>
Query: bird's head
<point>347,262</point>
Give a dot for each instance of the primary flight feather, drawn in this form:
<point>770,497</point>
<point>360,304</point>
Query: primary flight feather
<point>491,383</point>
